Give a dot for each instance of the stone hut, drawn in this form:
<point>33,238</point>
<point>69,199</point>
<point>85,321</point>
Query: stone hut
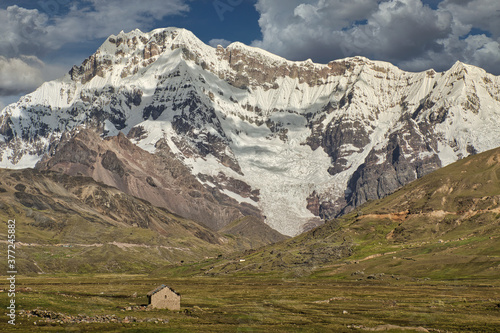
<point>164,297</point>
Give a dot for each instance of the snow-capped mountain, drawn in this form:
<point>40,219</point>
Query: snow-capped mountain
<point>309,141</point>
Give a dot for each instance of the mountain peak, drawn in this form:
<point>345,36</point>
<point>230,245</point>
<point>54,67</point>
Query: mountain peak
<point>256,51</point>
<point>299,141</point>
<point>459,67</point>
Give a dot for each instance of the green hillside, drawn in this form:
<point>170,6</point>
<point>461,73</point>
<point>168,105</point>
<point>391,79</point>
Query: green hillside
<point>445,225</point>
<point>76,225</point>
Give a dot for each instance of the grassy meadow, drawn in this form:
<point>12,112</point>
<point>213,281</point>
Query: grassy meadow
<point>262,304</point>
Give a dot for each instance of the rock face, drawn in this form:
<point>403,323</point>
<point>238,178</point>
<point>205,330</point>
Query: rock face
<point>374,180</point>
<point>158,178</point>
<point>296,140</point>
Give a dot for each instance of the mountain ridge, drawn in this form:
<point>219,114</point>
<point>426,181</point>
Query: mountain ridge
<point>302,135</point>
<point>75,224</point>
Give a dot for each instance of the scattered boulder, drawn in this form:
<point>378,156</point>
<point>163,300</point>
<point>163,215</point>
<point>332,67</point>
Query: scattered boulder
<point>60,318</point>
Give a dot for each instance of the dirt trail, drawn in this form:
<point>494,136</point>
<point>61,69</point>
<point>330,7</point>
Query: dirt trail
<point>118,244</point>
<point>402,216</point>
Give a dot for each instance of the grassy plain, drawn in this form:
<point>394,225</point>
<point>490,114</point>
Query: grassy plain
<point>263,304</point>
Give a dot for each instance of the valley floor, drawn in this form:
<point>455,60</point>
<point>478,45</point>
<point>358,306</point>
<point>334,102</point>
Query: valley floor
<point>255,304</point>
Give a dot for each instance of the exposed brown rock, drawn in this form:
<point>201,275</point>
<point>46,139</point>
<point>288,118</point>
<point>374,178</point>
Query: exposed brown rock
<point>313,203</point>
<point>160,179</point>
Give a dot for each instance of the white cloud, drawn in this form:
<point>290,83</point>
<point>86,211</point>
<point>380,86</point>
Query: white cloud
<point>223,42</point>
<point>101,18</point>
<point>19,75</point>
<point>326,30</point>
<point>23,31</point>
<point>405,32</point>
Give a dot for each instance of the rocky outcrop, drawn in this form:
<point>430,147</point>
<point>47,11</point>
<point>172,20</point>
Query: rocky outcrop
<point>313,204</point>
<point>44,317</point>
<point>385,170</point>
<point>251,68</point>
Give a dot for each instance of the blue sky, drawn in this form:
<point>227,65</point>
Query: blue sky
<point>41,40</point>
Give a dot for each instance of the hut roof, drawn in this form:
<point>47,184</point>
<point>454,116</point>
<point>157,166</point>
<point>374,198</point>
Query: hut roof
<point>163,286</point>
